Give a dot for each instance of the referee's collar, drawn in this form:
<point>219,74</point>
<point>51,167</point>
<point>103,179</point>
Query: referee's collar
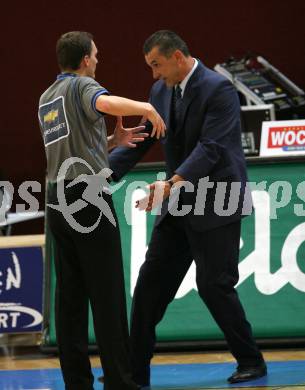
<point>65,75</point>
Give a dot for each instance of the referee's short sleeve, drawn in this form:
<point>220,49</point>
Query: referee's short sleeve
<point>89,91</point>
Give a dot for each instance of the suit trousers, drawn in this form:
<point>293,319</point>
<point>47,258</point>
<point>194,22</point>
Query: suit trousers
<point>89,269</point>
<point>173,247</point>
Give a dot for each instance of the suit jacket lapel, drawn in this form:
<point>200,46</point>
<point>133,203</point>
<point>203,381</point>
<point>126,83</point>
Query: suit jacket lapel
<point>190,93</point>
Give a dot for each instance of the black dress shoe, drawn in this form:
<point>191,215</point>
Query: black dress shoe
<point>248,373</point>
<point>101,379</point>
<point>139,387</point>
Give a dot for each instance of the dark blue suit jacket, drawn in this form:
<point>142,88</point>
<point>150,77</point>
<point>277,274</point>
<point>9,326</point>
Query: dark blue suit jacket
<point>206,142</point>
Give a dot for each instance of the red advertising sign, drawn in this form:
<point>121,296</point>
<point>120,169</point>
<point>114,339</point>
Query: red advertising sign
<point>286,136</point>
<point>283,138</point>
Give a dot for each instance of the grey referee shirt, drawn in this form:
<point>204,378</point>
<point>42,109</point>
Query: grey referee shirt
<point>72,127</point>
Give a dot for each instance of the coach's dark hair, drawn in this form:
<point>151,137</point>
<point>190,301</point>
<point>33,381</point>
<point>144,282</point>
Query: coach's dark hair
<point>167,41</point>
<point>72,47</point>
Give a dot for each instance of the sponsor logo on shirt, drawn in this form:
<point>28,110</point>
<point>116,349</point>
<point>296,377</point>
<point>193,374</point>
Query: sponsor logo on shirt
<point>53,121</point>
<point>51,116</point>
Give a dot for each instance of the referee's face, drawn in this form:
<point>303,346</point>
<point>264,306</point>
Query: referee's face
<point>92,62</point>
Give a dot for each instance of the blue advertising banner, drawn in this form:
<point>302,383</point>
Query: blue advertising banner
<point>21,282</point>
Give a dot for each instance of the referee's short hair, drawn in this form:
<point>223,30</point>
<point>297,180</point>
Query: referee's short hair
<point>72,47</point>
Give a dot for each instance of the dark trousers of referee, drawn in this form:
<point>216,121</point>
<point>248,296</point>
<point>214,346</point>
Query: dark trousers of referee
<point>89,269</point>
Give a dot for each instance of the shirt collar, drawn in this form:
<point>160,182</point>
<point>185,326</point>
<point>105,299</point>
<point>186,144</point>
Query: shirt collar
<point>187,77</point>
<point>65,75</point>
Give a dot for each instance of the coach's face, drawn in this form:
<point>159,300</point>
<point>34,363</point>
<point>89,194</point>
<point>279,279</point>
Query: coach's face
<point>165,68</point>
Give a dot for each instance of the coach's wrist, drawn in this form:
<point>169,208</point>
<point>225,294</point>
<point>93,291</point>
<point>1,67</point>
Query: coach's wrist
<point>170,182</point>
<point>175,181</point>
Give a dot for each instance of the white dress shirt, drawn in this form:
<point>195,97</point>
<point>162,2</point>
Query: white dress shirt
<point>187,77</point>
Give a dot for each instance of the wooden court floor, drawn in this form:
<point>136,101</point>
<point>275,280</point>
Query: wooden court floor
<point>21,358</point>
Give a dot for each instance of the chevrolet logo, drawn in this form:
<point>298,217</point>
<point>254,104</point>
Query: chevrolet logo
<point>51,116</point>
